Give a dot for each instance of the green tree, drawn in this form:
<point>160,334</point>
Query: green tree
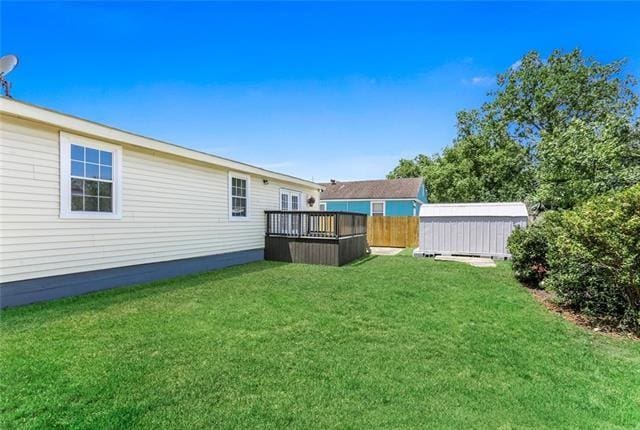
<point>484,164</point>
<point>545,128</point>
<point>545,96</point>
<point>587,159</point>
<point>411,168</point>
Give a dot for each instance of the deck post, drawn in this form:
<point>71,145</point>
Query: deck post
<point>268,223</point>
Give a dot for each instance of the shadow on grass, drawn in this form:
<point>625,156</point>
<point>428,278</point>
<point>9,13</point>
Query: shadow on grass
<point>406,252</point>
<point>100,300</point>
<point>362,260</point>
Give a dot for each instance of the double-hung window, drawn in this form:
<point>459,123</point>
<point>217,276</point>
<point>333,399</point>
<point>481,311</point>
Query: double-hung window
<point>377,208</point>
<point>238,196</point>
<point>90,181</point>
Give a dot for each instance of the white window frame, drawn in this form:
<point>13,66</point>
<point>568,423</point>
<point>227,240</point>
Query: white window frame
<point>246,178</point>
<point>289,194</point>
<point>66,140</point>
<point>299,197</point>
<point>322,206</point>
<point>282,195</point>
<point>384,207</point>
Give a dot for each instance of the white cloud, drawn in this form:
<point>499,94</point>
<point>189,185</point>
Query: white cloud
<point>516,65</point>
<point>480,81</point>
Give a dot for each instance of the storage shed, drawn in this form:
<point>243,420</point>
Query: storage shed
<point>473,229</point>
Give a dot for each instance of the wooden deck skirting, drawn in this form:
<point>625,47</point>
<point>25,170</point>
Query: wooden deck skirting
<point>329,238</point>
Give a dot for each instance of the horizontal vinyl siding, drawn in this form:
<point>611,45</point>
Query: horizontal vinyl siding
<point>349,206</point>
<point>399,208</point>
<point>172,208</point>
<point>422,194</point>
<point>363,207</point>
<point>337,206</point>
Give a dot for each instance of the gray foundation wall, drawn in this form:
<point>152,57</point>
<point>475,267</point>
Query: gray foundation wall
<point>54,287</point>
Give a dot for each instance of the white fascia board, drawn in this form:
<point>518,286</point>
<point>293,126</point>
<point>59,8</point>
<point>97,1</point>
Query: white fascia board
<point>99,131</point>
<point>365,200</point>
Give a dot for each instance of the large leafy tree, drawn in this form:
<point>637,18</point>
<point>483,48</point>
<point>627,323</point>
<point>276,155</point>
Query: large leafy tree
<point>587,159</point>
<point>549,122</point>
<point>411,168</point>
<point>545,96</point>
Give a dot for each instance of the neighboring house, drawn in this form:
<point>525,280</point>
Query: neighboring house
<point>87,207</point>
<point>384,197</point>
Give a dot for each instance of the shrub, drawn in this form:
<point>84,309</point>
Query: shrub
<point>528,248</point>
<point>594,258</point>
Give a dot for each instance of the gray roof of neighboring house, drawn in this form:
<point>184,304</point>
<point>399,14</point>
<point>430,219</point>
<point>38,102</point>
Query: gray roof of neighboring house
<point>376,189</point>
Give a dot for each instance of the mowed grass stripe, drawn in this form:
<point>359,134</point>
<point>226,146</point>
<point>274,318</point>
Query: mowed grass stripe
<point>390,342</point>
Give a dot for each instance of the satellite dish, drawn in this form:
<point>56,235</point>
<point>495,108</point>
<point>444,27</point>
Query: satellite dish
<point>7,64</point>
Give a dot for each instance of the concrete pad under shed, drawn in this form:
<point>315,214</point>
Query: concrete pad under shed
<point>379,250</point>
<point>474,261</point>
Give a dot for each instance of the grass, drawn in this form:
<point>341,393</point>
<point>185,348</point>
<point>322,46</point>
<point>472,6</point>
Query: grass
<point>389,342</point>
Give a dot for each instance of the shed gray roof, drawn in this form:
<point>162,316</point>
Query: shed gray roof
<point>376,189</point>
<point>507,209</point>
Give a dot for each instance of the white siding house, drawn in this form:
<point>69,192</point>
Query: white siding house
<point>85,207</point>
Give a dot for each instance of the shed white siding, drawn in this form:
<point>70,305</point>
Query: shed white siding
<point>173,208</point>
<point>469,229</point>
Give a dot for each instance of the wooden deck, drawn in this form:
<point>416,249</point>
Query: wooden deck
<point>329,238</point>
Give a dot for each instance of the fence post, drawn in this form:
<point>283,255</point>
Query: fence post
<point>353,225</point>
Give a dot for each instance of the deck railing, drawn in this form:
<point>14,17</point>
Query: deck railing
<point>316,224</point>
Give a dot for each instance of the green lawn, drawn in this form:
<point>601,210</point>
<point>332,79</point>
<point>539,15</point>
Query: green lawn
<point>388,342</point>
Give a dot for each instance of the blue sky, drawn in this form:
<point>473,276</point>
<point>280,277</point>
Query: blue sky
<point>317,90</point>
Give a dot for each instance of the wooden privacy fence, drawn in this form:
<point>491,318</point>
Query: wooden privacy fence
<point>394,231</point>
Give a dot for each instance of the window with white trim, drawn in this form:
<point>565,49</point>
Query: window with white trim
<point>377,208</point>
<point>238,196</point>
<point>290,200</point>
<point>89,178</point>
